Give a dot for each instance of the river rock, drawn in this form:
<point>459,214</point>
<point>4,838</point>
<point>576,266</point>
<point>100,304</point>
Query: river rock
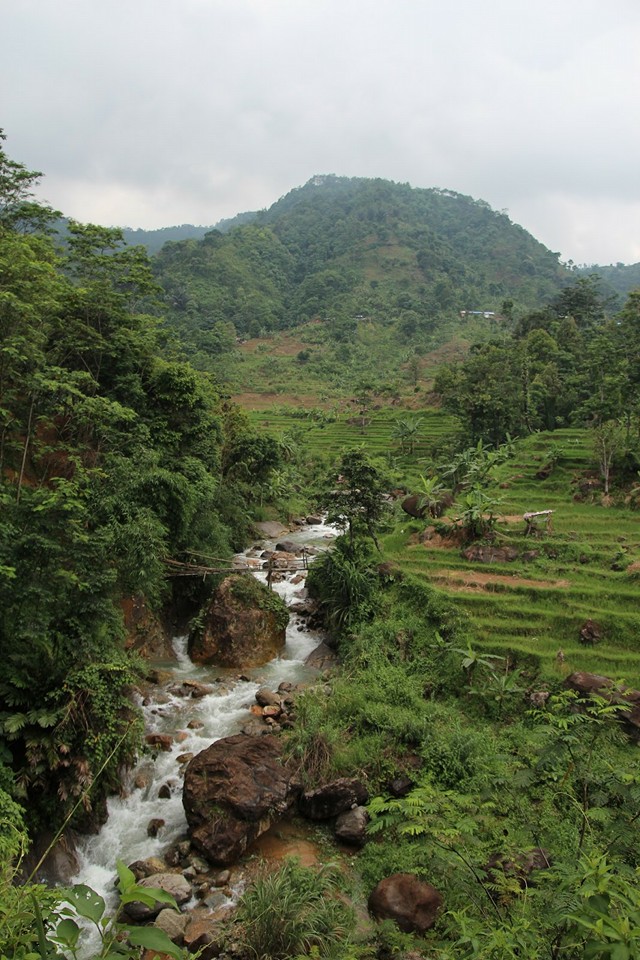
<point>191,688</point>
<point>351,826</point>
<point>155,826</point>
<point>279,561</point>
<point>173,924</point>
<point>163,741</point>
<point>271,529</point>
<point>267,698</point>
<point>322,658</point>
<point>333,798</point>
<point>233,791</point>
<point>255,727</point>
<point>411,903</point>
<point>202,935</point>
<point>288,546</point>
<point>244,625</point>
<point>271,711</point>
<point>172,883</point>
<point>146,868</point>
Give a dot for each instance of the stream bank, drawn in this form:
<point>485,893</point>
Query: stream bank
<point>190,708</point>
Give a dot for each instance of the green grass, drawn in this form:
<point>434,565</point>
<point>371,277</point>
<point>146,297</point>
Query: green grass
<point>511,617</point>
<point>331,437</point>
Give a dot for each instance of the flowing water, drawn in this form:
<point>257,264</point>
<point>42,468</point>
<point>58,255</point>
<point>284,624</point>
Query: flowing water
<point>194,724</point>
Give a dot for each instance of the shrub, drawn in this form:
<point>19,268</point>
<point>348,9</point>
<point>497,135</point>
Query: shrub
<point>291,912</point>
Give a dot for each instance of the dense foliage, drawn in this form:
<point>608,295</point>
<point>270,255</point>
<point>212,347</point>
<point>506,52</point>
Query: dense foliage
<point>116,454</point>
<point>340,249</point>
<point>566,363</point>
<point>112,454</point>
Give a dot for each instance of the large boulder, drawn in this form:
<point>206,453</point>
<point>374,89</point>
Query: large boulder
<point>233,791</point>
<point>271,529</point>
<point>172,883</point>
<point>145,632</point>
<point>520,866</point>
<point>351,826</point>
<point>587,684</point>
<point>590,633</point>
<point>481,553</point>
<point>333,798</point>
<point>411,903</point>
<point>415,506</point>
<point>244,625</point>
<point>419,507</point>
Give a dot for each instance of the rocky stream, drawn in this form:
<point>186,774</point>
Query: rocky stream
<point>189,709</point>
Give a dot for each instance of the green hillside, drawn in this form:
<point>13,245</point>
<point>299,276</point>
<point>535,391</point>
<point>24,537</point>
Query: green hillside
<point>343,250</point>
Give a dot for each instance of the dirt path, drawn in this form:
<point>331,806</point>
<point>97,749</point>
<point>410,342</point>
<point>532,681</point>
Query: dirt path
<point>473,581</point>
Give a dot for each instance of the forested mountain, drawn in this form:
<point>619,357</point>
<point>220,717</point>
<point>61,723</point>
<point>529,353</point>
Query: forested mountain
<point>154,240</point>
<point>620,278</point>
<point>341,248</point>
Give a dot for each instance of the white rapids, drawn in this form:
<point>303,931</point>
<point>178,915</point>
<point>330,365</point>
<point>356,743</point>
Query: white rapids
<point>221,713</point>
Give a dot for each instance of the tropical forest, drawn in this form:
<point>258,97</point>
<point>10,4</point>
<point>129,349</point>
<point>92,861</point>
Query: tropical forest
<point>319,585</point>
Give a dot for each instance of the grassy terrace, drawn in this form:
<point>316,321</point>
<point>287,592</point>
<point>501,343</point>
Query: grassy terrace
<point>537,607</point>
<point>330,437</point>
<point>531,608</point>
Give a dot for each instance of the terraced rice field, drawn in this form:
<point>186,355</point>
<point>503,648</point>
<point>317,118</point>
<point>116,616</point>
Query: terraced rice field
<point>329,439</point>
<point>536,608</point>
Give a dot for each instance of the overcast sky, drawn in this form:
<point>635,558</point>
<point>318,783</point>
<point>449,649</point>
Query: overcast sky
<point>148,113</point>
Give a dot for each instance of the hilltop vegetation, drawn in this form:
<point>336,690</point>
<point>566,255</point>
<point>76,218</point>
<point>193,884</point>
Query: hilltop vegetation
<point>340,249</point>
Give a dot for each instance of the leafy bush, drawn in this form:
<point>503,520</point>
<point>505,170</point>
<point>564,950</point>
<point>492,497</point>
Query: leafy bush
<point>344,585</point>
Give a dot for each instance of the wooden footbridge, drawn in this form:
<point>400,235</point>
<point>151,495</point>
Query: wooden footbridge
<point>195,568</point>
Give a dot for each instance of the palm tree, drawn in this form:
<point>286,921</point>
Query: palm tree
<point>405,430</point>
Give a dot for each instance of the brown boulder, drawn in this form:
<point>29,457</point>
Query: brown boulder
<point>172,883</point>
<point>244,625</point>
<point>520,865</point>
<point>159,740</point>
<point>233,791</point>
<point>483,554</point>
<point>146,634</point>
<point>173,924</point>
<point>333,798</point>
<point>590,633</point>
<point>351,826</point>
<point>588,683</point>
<point>270,528</point>
<point>415,506</point>
<point>321,658</point>
<point>411,903</point>
<point>267,698</point>
<point>203,935</point>
<point>191,688</point>
<point>288,546</point>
